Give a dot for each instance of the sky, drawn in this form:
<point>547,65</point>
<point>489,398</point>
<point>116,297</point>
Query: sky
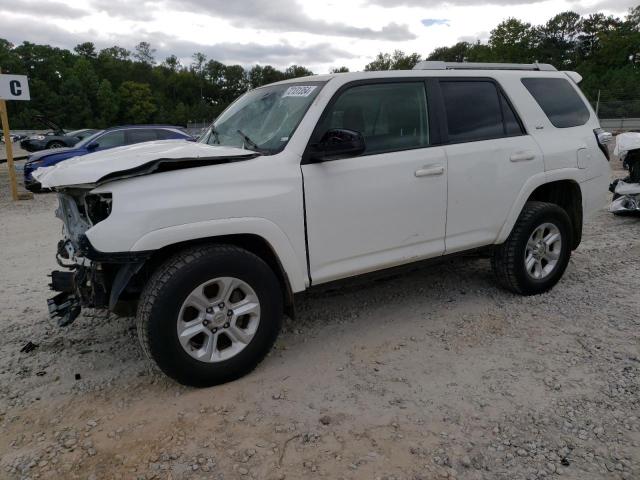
<point>319,34</point>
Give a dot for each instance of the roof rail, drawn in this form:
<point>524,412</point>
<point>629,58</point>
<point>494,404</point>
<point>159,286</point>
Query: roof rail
<point>437,65</point>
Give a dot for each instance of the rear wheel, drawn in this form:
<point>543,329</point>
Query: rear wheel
<point>210,314</point>
<point>536,253</point>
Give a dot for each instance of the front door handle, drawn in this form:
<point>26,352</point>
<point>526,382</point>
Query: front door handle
<point>522,156</point>
<point>429,171</point>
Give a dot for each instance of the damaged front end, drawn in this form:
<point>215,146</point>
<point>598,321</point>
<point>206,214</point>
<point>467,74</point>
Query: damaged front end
<point>626,191</point>
<point>90,279</point>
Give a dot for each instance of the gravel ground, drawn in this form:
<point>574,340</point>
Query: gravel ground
<point>435,373</point>
<point>17,151</point>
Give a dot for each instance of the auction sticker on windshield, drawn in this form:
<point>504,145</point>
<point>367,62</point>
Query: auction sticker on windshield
<point>299,91</point>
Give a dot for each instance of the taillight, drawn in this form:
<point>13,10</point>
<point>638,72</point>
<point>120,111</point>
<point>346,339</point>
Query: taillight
<point>603,138</point>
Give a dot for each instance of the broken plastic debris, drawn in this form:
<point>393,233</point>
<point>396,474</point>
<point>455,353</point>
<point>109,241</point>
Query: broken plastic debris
<point>29,347</point>
<point>624,188</point>
<point>626,142</point>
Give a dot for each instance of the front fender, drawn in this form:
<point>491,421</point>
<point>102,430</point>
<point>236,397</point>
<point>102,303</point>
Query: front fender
<point>261,227</point>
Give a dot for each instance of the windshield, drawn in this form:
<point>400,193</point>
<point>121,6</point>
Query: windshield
<point>89,139</point>
<point>263,119</point>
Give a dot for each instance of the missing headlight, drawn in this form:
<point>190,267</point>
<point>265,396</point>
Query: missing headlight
<point>98,206</point>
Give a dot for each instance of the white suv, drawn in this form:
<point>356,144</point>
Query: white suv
<point>317,179</point>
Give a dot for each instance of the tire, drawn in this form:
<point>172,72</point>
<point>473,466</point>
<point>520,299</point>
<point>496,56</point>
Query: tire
<point>164,304</point>
<point>55,145</point>
<point>509,262</point>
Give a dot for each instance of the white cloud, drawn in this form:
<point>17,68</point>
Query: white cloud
<point>316,33</point>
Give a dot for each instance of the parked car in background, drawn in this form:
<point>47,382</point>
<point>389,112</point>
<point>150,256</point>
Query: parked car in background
<point>15,137</point>
<point>55,138</point>
<point>100,140</point>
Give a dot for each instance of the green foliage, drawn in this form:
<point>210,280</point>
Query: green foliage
<point>394,61</point>
<point>108,104</point>
<point>136,102</point>
<point>89,88</point>
<point>605,50</point>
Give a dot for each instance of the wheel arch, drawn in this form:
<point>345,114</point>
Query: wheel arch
<point>253,243</point>
<point>559,187</point>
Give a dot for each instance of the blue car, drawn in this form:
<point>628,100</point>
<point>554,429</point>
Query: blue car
<point>101,140</point>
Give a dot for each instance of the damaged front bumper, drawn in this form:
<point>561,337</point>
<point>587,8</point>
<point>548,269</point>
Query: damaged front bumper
<point>97,280</point>
<point>91,279</point>
<point>64,307</point>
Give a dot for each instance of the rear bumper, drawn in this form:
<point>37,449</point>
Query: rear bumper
<point>595,195</point>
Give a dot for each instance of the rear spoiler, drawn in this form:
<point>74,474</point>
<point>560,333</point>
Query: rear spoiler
<point>575,76</point>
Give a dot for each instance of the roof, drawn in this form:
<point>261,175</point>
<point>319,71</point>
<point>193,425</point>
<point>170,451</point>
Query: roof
<point>489,70</point>
<point>118,127</point>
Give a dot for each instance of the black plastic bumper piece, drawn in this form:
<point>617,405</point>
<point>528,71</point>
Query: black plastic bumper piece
<point>64,308</point>
<point>88,251</point>
<point>62,281</point>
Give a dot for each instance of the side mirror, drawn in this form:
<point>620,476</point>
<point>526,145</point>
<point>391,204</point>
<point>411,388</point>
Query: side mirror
<point>93,146</point>
<point>338,143</point>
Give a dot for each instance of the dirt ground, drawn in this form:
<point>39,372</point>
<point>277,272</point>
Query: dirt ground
<point>435,373</point>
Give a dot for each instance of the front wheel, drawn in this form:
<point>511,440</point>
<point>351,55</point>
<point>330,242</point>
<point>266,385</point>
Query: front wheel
<point>210,314</point>
<point>55,144</point>
<point>536,253</point>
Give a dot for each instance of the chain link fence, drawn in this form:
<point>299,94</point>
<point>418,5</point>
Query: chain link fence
<point>618,109</point>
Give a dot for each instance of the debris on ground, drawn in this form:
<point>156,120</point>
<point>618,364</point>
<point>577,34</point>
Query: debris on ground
<point>29,347</point>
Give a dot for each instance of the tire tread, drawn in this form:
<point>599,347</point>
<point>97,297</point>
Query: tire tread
<point>505,261</point>
<point>163,274</point>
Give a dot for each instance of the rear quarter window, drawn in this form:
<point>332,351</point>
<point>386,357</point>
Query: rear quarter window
<point>559,101</point>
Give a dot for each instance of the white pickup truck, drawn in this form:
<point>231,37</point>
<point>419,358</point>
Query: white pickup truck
<point>317,179</point>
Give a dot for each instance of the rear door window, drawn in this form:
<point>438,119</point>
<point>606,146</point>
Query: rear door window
<point>477,110</point>
<point>559,101</point>
<point>141,135</point>
<point>166,134</point>
<point>390,116</point>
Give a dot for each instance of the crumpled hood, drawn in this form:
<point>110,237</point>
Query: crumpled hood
<point>134,160</point>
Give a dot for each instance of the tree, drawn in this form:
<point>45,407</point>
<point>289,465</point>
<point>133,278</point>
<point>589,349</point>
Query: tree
<point>108,105</point>
<point>398,60</point>
<point>456,53</point>
<point>144,53</point>
<point>172,63</point>
<point>115,53</point>
<point>199,60</point>
<point>513,41</point>
<point>78,112</point>
<point>339,70</point>
<point>86,50</point>
<point>557,43</point>
<point>136,102</point>
<point>295,71</point>
<point>259,75</point>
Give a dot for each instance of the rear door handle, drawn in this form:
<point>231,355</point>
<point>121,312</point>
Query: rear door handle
<point>522,156</point>
<point>429,171</point>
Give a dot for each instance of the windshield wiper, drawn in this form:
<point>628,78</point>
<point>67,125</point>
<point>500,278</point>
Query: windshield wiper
<point>250,142</point>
